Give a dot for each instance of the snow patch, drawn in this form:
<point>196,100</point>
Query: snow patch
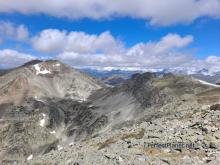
<point>53,132</point>
<point>90,106</point>
<point>39,71</point>
<point>110,86</point>
<point>120,159</point>
<point>71,144</point>
<point>30,157</point>
<point>207,83</point>
<point>43,121</point>
<point>82,100</point>
<point>59,148</point>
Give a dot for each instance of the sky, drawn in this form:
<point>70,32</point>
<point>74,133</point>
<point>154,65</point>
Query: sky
<point>122,34</point>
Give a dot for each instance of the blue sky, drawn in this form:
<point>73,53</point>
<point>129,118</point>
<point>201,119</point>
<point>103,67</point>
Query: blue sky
<point>181,32</point>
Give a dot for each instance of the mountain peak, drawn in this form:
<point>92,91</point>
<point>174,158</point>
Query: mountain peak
<point>32,62</point>
<point>143,76</point>
<point>46,79</point>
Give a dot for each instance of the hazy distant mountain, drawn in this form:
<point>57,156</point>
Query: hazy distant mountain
<point>116,77</point>
<point>3,72</point>
<point>111,77</point>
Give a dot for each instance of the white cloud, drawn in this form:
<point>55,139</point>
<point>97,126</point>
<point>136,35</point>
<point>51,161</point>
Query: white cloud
<point>79,49</point>
<point>56,41</point>
<point>160,12</point>
<point>173,41</point>
<point>161,54</point>
<point>50,41</point>
<point>14,32</point>
<point>11,58</point>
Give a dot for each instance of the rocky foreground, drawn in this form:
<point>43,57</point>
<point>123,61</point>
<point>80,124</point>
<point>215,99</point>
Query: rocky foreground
<point>187,123</point>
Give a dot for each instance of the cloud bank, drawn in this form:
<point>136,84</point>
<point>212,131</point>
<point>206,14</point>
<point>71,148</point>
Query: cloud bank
<point>80,49</point>
<point>54,41</point>
<point>158,12</point>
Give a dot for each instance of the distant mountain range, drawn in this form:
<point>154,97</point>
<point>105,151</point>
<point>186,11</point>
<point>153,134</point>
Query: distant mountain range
<point>113,76</point>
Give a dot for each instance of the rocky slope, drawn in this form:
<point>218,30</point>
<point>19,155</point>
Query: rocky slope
<point>132,99</point>
<point>199,129</point>
<point>52,114</point>
<point>215,79</point>
<point>42,103</point>
<point>39,126</point>
<point>45,79</point>
<point>149,110</point>
<point>3,72</point>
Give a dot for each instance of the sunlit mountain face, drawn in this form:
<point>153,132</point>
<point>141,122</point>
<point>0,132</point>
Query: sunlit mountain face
<point>109,82</point>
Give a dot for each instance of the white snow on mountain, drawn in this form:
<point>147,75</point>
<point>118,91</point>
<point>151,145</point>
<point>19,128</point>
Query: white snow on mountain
<point>43,120</point>
<point>53,132</point>
<point>59,148</point>
<point>177,70</point>
<point>207,83</point>
<point>30,157</point>
<point>40,71</point>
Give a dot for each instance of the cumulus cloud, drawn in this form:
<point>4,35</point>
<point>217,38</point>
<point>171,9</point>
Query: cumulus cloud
<point>14,32</point>
<point>50,41</point>
<point>11,58</point>
<point>161,54</point>
<point>158,12</point>
<point>56,41</point>
<point>80,49</point>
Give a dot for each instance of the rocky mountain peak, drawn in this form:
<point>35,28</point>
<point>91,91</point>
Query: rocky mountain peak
<point>49,68</point>
<point>143,77</point>
<point>33,62</point>
<point>46,79</point>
